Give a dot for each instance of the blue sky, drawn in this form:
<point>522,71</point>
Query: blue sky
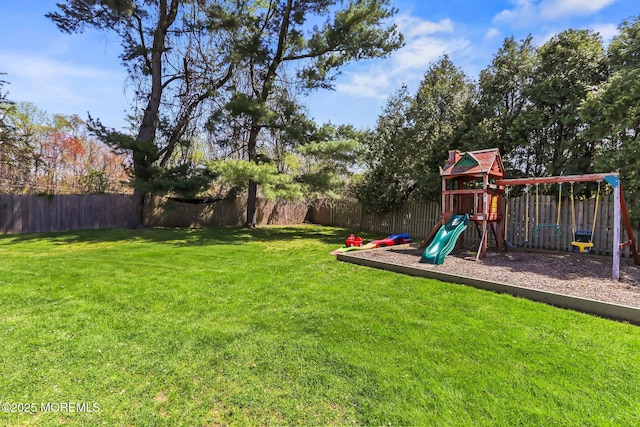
<point>81,73</point>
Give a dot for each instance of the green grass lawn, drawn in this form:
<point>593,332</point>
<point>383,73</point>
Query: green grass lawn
<point>233,326</point>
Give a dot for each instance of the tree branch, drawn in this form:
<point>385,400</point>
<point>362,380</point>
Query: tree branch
<point>277,59</point>
<point>140,29</point>
<point>181,126</point>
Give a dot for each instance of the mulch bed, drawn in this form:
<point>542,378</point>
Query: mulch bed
<point>567,273</point>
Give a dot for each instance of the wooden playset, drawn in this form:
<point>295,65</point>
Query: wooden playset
<point>474,184</point>
<point>469,187</point>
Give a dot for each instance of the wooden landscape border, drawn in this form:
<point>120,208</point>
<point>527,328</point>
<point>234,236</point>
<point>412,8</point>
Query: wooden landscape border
<point>584,305</point>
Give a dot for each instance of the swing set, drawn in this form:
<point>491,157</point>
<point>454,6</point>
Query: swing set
<point>582,239</point>
<point>537,231</point>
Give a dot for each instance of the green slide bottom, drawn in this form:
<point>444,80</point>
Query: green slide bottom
<point>445,240</point>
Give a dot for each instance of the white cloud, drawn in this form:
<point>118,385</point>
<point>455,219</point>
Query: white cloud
<point>421,52</point>
<point>492,33</point>
<point>45,69</point>
<point>607,31</point>
<point>412,26</point>
<point>523,13</point>
<point>424,43</point>
<point>551,9</point>
<point>366,85</point>
<point>527,12</point>
<point>62,87</point>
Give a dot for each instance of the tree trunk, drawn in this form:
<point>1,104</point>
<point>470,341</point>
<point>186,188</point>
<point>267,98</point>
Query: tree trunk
<point>267,86</point>
<point>136,215</point>
<point>252,196</point>
<point>142,159</point>
<point>252,200</point>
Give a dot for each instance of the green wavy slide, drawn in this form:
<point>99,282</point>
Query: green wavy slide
<point>445,240</point>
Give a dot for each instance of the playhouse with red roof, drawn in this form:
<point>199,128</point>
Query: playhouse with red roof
<point>469,187</point>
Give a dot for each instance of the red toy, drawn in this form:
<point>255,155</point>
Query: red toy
<point>394,239</point>
<point>353,241</point>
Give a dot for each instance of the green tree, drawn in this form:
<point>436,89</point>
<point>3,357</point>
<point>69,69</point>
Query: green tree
<point>179,53</point>
<point>439,113</point>
<point>389,156</point>
<point>325,165</point>
<point>5,106</point>
<point>284,41</point>
<point>317,169</point>
<point>612,112</point>
<point>502,99</point>
<point>568,66</point>
<point>16,154</point>
<point>413,136</point>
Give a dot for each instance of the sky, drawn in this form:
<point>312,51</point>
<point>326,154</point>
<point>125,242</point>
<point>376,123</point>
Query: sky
<point>82,73</point>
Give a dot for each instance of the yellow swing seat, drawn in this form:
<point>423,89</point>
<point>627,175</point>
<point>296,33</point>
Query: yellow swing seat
<point>583,239</point>
<point>582,247</point>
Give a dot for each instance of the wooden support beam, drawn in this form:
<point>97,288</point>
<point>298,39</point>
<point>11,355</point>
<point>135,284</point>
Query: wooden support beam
<point>482,252</point>
<point>557,179</point>
<point>444,206</point>
<point>497,233</point>
<point>629,229</point>
<point>627,243</point>
<point>492,227</point>
<point>470,191</point>
<point>433,232</point>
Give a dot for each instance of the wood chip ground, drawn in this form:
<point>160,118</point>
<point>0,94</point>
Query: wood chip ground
<point>567,273</point>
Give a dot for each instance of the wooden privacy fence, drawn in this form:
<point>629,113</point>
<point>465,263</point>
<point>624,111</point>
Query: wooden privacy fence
<point>36,214</point>
<point>162,212</point>
<point>415,218</point>
<point>418,218</point>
